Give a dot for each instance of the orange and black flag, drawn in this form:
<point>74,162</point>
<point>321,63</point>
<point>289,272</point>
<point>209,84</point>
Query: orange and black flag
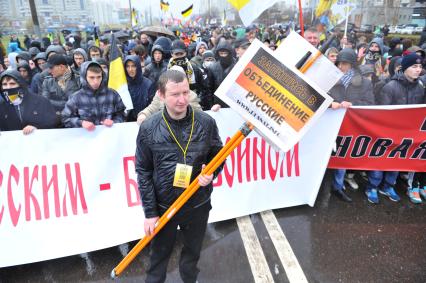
<point>187,12</point>
<point>117,77</point>
<point>164,6</point>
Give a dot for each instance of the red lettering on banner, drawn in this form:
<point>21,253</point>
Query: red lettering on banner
<point>254,152</point>
<point>131,184</point>
<point>2,207</point>
<point>46,185</point>
<point>14,213</point>
<point>74,192</point>
<point>261,154</point>
<point>292,159</point>
<point>240,155</point>
<point>29,197</point>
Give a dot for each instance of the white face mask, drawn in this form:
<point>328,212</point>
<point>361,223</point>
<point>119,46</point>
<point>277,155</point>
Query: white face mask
<point>207,64</point>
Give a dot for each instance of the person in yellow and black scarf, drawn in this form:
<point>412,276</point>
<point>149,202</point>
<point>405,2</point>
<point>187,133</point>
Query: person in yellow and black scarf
<point>197,82</point>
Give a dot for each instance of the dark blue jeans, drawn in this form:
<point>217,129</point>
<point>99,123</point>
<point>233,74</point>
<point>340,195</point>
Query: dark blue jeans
<point>192,223</point>
<point>385,178</point>
<point>338,179</point>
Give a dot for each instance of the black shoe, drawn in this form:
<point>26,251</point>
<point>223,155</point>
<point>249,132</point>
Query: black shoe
<point>341,195</point>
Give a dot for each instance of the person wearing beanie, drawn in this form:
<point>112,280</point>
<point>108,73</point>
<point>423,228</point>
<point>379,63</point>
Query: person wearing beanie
<point>352,89</point>
<point>241,45</point>
<point>404,88</point>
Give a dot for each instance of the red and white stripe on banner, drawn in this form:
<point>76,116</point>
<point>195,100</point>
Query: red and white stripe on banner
<point>389,138</point>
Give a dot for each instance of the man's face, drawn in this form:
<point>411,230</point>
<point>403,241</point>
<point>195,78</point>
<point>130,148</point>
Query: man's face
<point>41,63</point>
<point>176,97</point>
<point>94,79</point>
<point>78,59</point>
<point>240,51</point>
<point>23,72</point>
<point>131,69</point>
<point>312,38</point>
<point>223,53</point>
<point>201,50</point>
<point>58,70</point>
<point>158,56</point>
<point>105,69</point>
<point>8,83</point>
<point>94,54</point>
<point>332,57</point>
<point>344,67</point>
<point>144,38</point>
<point>374,47</point>
<point>413,72</point>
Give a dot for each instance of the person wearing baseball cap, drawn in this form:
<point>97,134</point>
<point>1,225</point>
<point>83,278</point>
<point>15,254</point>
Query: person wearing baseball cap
<point>196,80</point>
<point>61,83</point>
<point>404,88</point>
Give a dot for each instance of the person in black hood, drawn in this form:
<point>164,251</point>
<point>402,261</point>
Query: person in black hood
<point>40,65</point>
<point>141,89</point>
<point>95,103</point>
<point>21,109</point>
<point>23,56</point>
<point>220,69</point>
<point>24,69</point>
<point>157,66</point>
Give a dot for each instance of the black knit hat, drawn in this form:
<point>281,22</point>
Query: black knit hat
<point>410,60</point>
<point>347,55</point>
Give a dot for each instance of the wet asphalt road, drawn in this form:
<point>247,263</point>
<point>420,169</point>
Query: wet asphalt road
<point>333,242</point>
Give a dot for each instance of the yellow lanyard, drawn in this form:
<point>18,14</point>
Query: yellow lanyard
<point>174,137</point>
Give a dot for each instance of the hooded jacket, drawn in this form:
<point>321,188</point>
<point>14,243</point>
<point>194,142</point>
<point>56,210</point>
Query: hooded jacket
<point>24,56</point>
<point>198,59</point>
<point>83,53</point>
<point>218,73</point>
<point>153,70</point>
<point>141,89</point>
<point>400,91</point>
<point>34,110</point>
<point>27,67</point>
<point>92,105</point>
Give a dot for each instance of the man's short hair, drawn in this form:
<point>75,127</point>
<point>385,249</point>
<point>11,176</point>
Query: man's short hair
<point>311,30</point>
<point>170,75</point>
<point>95,68</point>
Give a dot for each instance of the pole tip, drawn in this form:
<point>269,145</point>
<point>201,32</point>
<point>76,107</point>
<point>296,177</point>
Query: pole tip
<point>113,274</point>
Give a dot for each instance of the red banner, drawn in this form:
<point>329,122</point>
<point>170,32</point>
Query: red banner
<point>382,139</point>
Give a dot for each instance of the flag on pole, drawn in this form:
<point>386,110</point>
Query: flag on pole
<point>134,18</point>
<point>117,77</point>
<point>249,10</point>
<point>187,11</point>
<point>224,18</point>
<point>96,35</point>
<point>164,6</point>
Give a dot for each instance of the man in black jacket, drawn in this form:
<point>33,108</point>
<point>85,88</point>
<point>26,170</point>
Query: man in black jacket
<point>173,147</point>
<point>20,109</point>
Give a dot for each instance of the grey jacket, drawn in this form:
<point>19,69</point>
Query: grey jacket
<point>359,91</point>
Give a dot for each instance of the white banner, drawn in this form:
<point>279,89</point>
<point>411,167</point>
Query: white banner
<point>68,191</point>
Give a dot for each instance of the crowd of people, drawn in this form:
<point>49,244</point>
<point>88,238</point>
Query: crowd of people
<point>50,85</point>
<point>70,80</point>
